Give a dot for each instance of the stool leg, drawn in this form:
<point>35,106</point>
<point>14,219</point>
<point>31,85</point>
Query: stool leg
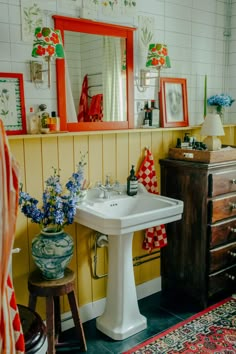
<point>32,302</point>
<point>57,316</point>
<point>75,314</point>
<point>50,324</point>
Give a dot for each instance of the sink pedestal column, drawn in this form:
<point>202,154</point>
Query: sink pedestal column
<point>121,318</point>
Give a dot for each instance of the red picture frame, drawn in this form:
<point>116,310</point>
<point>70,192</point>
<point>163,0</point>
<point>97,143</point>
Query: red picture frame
<point>12,103</point>
<point>173,102</point>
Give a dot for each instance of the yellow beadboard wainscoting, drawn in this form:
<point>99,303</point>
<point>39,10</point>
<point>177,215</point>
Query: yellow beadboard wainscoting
<point>109,152</point>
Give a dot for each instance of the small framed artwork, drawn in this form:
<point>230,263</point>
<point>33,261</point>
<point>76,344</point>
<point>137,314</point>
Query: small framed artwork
<point>12,103</point>
<point>173,102</point>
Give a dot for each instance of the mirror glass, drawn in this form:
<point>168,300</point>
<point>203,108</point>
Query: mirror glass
<point>95,80</point>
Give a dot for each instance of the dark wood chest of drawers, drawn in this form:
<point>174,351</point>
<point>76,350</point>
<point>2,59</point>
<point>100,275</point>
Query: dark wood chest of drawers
<point>200,258</point>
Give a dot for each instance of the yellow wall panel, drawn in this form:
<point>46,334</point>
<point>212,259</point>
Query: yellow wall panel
<point>95,163</point>
<point>112,153</point>
<point>122,157</point>
<point>109,157</point>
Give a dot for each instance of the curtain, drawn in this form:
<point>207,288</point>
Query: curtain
<point>11,336</point>
<point>70,105</point>
<point>112,80</point>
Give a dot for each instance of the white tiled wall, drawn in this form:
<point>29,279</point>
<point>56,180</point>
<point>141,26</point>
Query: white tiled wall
<point>192,29</point>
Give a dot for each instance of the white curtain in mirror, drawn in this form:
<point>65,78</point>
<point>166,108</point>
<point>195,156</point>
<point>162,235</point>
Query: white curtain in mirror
<point>70,106</point>
<point>112,80</point>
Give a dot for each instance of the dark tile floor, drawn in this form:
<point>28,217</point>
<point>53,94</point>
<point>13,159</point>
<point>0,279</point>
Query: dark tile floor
<point>160,316</point>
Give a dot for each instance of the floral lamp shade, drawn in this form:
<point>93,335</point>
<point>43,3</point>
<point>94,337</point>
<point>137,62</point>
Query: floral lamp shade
<point>158,56</point>
<point>48,44</point>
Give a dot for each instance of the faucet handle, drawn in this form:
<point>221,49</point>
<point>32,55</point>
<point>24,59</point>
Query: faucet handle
<point>107,182</point>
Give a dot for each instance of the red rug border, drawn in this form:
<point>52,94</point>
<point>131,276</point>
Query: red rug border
<point>179,324</point>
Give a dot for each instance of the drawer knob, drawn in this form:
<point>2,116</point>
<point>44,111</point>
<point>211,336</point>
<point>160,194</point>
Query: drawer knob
<point>233,181</point>
<point>232,206</point>
<point>231,229</point>
<point>232,253</point>
<point>230,276</point>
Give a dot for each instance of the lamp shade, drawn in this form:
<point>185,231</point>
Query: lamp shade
<point>158,56</point>
<point>47,43</point>
<point>212,126</point>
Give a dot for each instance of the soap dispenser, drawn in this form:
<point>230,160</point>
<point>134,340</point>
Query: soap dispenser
<point>132,183</point>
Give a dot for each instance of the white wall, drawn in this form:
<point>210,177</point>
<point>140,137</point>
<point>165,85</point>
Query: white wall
<point>192,29</point>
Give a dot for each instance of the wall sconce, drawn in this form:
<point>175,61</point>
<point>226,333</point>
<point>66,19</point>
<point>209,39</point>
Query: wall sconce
<point>212,127</point>
<point>47,44</point>
<point>157,58</point>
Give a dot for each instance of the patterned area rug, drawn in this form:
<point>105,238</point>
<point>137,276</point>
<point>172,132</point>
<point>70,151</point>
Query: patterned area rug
<point>210,331</point>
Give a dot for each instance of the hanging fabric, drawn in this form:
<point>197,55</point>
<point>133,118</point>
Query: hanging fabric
<point>95,109</point>
<point>11,335</point>
<point>83,102</point>
<point>155,237</point>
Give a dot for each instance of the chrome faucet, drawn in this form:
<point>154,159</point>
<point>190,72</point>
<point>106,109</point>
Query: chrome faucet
<point>108,187</point>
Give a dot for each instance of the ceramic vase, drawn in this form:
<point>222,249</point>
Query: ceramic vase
<point>52,251</point>
<point>217,110</point>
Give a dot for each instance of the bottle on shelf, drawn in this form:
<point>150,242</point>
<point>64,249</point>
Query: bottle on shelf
<point>32,122</point>
<point>147,115</point>
<point>155,114</point>
<point>44,118</point>
<point>54,122</point>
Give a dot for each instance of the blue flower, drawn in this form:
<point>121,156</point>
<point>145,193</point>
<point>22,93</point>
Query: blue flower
<point>220,100</point>
<point>58,208</point>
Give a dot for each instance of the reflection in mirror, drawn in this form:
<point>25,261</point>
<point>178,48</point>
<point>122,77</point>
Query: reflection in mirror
<point>96,85</point>
<point>95,81</point>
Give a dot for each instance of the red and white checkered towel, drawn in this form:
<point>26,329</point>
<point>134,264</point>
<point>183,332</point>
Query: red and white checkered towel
<point>155,237</point>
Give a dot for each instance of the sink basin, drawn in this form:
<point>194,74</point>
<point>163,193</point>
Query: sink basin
<point>121,213</point>
<point>119,217</point>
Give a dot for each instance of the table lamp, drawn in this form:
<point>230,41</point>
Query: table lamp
<point>47,44</point>
<point>211,128</point>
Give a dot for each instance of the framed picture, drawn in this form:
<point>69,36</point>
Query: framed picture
<point>173,102</point>
<point>12,103</point>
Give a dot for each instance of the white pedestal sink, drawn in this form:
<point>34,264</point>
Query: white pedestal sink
<point>119,217</point>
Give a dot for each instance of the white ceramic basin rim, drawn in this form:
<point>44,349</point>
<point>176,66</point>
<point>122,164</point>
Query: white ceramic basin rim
<point>122,213</point>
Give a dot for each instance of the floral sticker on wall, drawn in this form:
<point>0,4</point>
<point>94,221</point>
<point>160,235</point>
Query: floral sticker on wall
<point>129,7</point>
<point>129,3</point>
<point>145,31</point>
<point>31,17</point>
<point>111,7</point>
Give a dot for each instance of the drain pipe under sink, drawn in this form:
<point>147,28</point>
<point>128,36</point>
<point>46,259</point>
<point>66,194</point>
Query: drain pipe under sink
<point>101,241</point>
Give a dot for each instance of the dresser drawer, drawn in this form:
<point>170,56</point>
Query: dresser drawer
<point>224,280</point>
<point>222,257</point>
<point>221,208</point>
<point>222,182</point>
<point>222,232</point>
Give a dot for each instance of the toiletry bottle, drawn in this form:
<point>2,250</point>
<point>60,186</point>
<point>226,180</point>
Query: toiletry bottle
<point>147,115</point>
<point>155,114</point>
<point>32,122</point>
<point>132,183</point>
<point>44,118</point>
<point>54,124</point>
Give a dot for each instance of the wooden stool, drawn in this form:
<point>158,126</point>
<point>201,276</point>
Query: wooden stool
<point>52,290</point>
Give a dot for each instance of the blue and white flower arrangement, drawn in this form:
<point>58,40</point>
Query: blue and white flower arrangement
<point>220,100</point>
<point>58,207</point>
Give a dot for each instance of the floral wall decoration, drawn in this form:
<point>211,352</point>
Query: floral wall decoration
<point>31,17</point>
<point>145,31</point>
<point>112,7</point>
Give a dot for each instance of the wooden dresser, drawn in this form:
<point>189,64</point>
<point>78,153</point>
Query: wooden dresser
<point>200,258</point>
